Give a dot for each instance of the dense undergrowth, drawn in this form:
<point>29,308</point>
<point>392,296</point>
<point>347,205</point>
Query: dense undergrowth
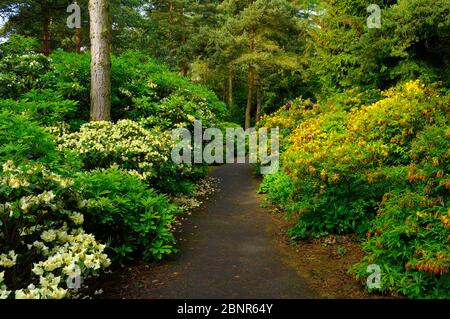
<point>76,196</point>
<point>378,167</point>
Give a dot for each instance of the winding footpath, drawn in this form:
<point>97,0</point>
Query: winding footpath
<point>227,250</point>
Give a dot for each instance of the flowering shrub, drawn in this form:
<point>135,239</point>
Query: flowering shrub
<point>42,243</point>
<point>410,235</point>
<point>380,169</point>
<point>134,220</point>
<point>173,111</point>
<point>128,146</point>
<point>21,69</point>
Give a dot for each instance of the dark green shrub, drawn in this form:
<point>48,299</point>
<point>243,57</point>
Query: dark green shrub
<point>122,211</point>
<point>45,107</point>
<point>140,88</point>
<point>21,139</point>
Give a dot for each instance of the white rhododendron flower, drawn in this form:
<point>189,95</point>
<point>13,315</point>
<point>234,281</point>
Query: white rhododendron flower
<point>49,235</point>
<point>72,270</point>
<point>41,211</point>
<point>77,218</point>
<point>8,260</point>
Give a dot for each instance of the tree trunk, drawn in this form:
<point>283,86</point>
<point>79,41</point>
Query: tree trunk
<point>46,37</point>
<point>230,87</point>
<point>258,99</point>
<point>248,111</point>
<point>170,24</point>
<point>251,80</point>
<point>78,40</point>
<point>100,21</point>
<point>185,67</point>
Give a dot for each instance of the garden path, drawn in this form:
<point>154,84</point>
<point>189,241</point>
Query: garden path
<point>228,249</point>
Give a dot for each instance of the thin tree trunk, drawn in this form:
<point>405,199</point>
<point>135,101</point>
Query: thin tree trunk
<point>230,87</point>
<point>251,80</point>
<point>170,24</point>
<point>100,21</point>
<point>185,67</point>
<point>248,111</point>
<point>258,99</point>
<point>46,37</point>
<point>78,40</point>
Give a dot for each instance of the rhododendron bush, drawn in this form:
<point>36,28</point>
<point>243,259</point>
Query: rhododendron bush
<point>127,145</point>
<point>380,170</point>
<point>42,242</point>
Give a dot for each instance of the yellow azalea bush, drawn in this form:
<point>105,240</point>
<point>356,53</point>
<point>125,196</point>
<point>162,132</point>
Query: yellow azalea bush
<point>410,235</point>
<point>42,243</point>
<point>346,167</point>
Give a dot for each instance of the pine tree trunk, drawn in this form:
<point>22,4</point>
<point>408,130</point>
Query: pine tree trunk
<point>46,37</point>
<point>258,99</point>
<point>100,21</point>
<point>185,67</point>
<point>248,111</point>
<point>78,40</point>
<point>230,87</point>
<point>251,80</point>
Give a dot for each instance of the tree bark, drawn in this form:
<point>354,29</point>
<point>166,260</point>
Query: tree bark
<point>78,40</point>
<point>251,80</point>
<point>258,99</point>
<point>100,29</point>
<point>185,67</point>
<point>230,87</point>
<point>46,37</point>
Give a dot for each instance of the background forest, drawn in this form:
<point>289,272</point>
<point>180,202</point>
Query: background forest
<point>363,113</point>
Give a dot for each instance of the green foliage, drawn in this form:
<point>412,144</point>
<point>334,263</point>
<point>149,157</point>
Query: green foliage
<point>21,139</point>
<point>140,88</point>
<point>409,237</point>
<point>21,69</point>
<point>173,111</point>
<point>379,169</point>
<point>135,221</point>
<point>278,188</point>
<point>70,78</point>
<point>411,44</point>
<point>45,107</point>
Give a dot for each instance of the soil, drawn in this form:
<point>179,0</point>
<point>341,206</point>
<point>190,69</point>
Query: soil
<point>230,247</point>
